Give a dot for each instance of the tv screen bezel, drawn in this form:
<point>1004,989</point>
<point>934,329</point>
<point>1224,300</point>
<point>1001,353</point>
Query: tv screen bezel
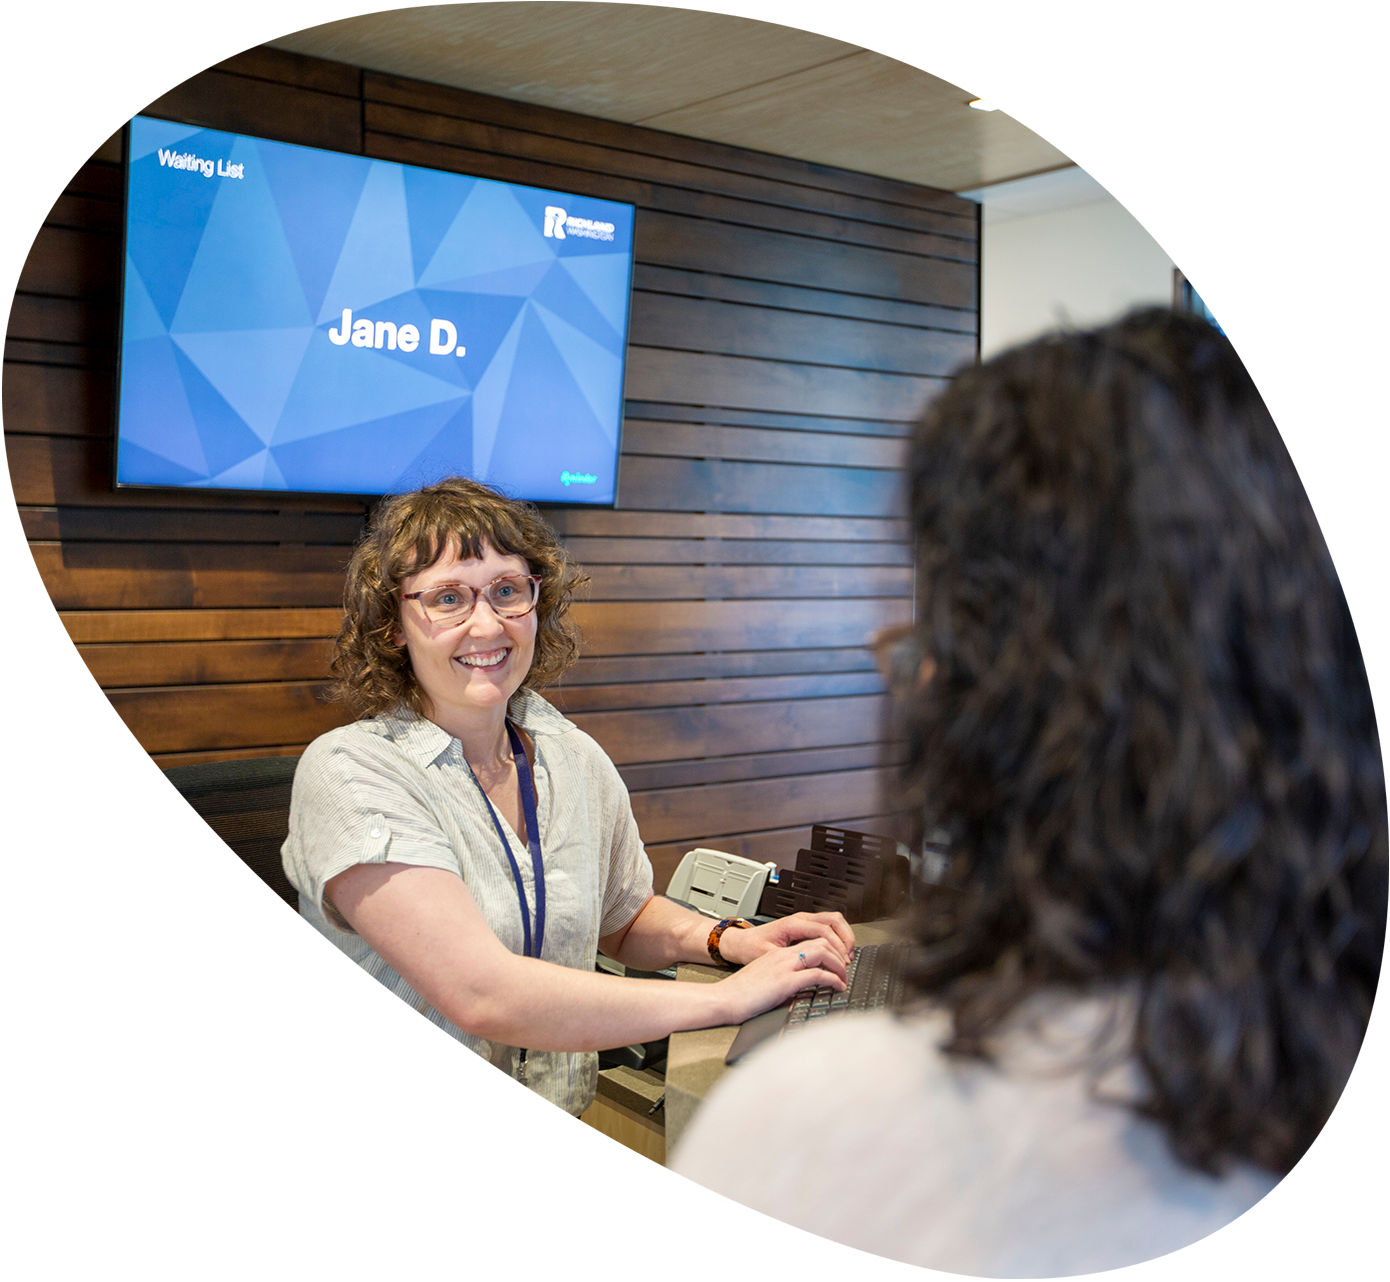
<point>367,497</point>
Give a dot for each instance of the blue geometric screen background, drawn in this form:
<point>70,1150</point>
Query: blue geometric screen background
<point>242,256</point>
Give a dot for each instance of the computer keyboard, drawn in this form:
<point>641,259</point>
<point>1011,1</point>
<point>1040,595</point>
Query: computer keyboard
<point>875,977</point>
<point>875,981</point>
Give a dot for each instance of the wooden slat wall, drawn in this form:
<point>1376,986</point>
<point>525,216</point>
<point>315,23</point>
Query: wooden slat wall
<point>788,322</point>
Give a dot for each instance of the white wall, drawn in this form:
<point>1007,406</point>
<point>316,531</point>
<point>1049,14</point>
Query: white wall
<point>1081,265</point>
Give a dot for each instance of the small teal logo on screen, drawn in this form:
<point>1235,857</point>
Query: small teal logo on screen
<point>578,478</point>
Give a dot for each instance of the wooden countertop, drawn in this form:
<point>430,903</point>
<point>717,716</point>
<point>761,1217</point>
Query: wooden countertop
<point>695,1061</point>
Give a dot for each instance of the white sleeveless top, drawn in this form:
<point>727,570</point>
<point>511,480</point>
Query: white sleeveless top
<point>862,1131</point>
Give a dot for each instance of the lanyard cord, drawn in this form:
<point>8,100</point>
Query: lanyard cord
<point>533,844</point>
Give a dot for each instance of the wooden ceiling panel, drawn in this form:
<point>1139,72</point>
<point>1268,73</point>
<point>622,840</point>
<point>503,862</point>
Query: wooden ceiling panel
<point>868,111</point>
<point>725,79</point>
<point>620,62</point>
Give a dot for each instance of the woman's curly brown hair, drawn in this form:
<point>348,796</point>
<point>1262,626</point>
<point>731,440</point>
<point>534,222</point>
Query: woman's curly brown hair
<point>408,533</point>
<point>1149,732</point>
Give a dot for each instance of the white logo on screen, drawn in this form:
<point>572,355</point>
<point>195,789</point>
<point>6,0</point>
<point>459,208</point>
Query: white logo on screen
<point>560,223</point>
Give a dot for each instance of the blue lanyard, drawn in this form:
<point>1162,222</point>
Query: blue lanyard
<point>533,843</point>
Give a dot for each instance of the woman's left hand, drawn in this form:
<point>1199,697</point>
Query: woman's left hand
<point>738,947</point>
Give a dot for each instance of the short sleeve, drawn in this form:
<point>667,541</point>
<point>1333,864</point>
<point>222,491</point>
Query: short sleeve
<point>352,804</point>
<point>629,884</point>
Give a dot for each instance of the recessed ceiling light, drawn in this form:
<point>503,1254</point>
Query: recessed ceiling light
<point>981,105</point>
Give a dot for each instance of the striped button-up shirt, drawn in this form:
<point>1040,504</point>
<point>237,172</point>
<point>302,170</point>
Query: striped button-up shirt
<point>396,788</point>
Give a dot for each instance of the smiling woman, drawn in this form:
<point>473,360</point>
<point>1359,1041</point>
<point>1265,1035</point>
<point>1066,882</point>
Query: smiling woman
<point>471,848</point>
<point>411,537</point>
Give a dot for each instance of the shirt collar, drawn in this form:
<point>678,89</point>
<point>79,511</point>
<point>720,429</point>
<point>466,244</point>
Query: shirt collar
<point>536,715</point>
<point>427,742</point>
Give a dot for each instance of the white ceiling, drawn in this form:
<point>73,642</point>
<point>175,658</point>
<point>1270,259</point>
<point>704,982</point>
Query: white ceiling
<point>731,80</point>
<point>1040,194</point>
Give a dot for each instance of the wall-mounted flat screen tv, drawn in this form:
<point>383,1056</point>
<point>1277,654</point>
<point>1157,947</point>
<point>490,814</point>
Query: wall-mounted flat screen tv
<point>303,320</point>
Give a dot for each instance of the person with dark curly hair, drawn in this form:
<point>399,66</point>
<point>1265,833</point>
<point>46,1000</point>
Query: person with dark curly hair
<point>471,848</point>
<point>1136,704</point>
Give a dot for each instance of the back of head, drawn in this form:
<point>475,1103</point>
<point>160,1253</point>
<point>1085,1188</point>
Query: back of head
<point>1148,730</point>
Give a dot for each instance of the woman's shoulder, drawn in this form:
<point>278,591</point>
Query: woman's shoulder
<point>856,1075</point>
<point>895,1065</point>
<point>868,1063</point>
<point>1076,1183</point>
<point>389,741</point>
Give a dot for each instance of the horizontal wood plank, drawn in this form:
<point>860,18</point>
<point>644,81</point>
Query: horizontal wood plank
<point>666,627</point>
<point>104,180</point>
<point>675,240</point>
<point>652,279</point>
<point>752,444</point>
<point>166,760</point>
<point>94,627</point>
<point>698,378</point>
<point>676,694</point>
<point>649,777</point>
<point>675,734</point>
<point>636,551</point>
<point>740,329</point>
<point>199,718</point>
<point>142,525</point>
<point>129,576</point>
<point>280,66</point>
<point>704,485</point>
<point>72,321</point>
<point>603,522</point>
<point>169,663</point>
<point>58,355</point>
<point>57,402</point>
<point>767,583</point>
<point>286,112</point>
<point>712,810</point>
<point>598,670</point>
<point>73,264</point>
<point>204,558</point>
<point>83,211</point>
<point>733,416</point>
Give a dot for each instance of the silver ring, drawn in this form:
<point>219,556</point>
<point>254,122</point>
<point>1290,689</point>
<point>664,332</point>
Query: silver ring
<point>803,960</point>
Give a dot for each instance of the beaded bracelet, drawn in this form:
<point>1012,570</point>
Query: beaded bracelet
<point>718,933</point>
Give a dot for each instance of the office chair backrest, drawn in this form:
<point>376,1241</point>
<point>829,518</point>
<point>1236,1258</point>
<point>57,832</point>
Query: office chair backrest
<point>247,804</point>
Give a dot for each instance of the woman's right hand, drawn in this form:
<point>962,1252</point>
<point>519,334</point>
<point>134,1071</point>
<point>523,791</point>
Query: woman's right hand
<point>771,979</point>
